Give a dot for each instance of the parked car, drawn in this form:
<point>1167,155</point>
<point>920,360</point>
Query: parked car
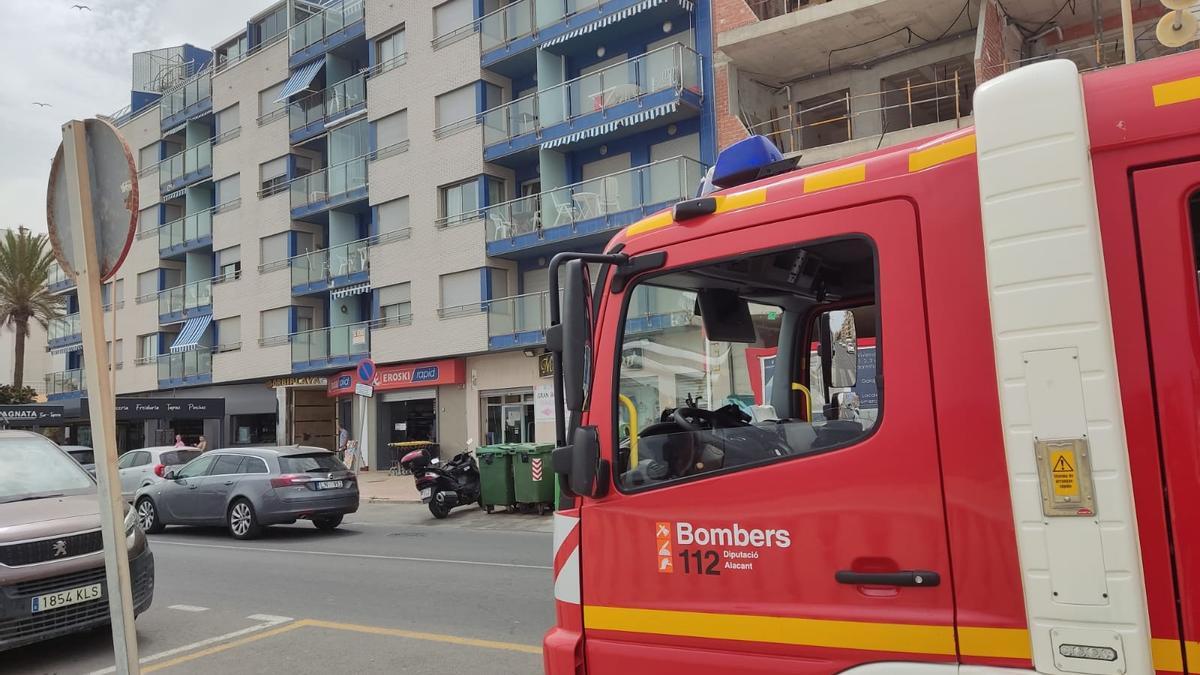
<point>145,466</point>
<point>84,455</point>
<point>51,554</point>
<point>247,489</point>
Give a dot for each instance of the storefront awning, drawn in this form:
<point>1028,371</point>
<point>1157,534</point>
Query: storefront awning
<point>189,337</point>
<point>300,80</point>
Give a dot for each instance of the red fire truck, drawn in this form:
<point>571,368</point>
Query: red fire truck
<point>1011,484</point>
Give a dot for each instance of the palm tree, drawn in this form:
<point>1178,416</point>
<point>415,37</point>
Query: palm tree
<point>25,261</point>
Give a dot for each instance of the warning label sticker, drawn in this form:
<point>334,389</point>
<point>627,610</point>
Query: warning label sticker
<point>662,535</point>
<point>1063,473</point>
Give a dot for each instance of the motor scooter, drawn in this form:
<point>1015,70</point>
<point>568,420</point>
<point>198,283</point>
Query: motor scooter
<point>444,486</point>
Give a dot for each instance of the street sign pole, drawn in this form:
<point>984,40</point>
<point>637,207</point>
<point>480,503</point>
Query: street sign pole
<point>101,402</point>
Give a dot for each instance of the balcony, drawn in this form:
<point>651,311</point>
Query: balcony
<point>657,87</point>
<point>65,384</point>
<point>57,280</point>
<point>339,23</point>
<point>190,232</point>
<point>330,347</point>
<point>64,331</point>
<point>588,212</point>
<point>184,168</point>
<point>329,188</point>
<point>185,368</point>
<point>191,100</point>
<point>184,302</point>
<point>509,35</point>
<point>518,321</point>
<point>334,267</point>
<point>309,115</point>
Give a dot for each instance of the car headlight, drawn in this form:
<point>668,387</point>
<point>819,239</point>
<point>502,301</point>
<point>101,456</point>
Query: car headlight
<point>131,521</point>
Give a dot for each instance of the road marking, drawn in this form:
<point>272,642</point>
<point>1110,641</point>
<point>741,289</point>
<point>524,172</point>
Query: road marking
<point>427,637</point>
<point>188,608</point>
<point>222,647</point>
<point>369,556</point>
<point>268,622</point>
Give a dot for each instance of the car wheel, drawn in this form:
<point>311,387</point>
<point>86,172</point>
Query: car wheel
<point>242,522</point>
<point>327,523</point>
<point>147,514</point>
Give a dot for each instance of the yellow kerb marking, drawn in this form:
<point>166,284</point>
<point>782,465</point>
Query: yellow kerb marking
<point>846,175</point>
<point>1009,643</point>
<point>1179,91</point>
<point>1166,656</point>
<point>884,637</point>
<point>427,637</point>
<point>217,649</point>
<point>941,153</point>
<point>655,222</point>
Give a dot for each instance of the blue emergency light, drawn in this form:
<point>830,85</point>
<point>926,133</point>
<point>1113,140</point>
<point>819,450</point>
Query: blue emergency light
<point>743,162</point>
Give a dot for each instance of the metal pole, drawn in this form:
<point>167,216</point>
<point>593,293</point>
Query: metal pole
<point>908,94</point>
<point>957,114</point>
<point>1127,31</point>
<point>101,403</point>
<point>849,127</point>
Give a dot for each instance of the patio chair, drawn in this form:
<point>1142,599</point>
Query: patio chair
<point>500,226</point>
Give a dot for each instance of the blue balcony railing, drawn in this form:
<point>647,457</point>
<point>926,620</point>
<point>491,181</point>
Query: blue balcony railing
<point>191,367</point>
<point>191,99</point>
<point>308,115</point>
<point>325,347</point>
<point>185,301</point>
<point>57,280</point>
<point>335,186</point>
<point>63,331</point>
<point>340,22</point>
<point>518,321</point>
<point>184,168</point>
<point>65,384</point>
<point>332,267</point>
<point>187,233</point>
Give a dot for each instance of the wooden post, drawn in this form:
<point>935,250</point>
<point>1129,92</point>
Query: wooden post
<point>101,404</point>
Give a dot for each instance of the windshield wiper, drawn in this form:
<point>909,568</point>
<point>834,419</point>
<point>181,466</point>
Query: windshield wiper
<point>32,497</point>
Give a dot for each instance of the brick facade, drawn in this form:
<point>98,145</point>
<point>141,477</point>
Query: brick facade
<point>727,15</point>
<point>989,51</point>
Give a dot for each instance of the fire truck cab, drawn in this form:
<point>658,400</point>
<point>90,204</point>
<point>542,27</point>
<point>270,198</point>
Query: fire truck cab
<point>926,411</point>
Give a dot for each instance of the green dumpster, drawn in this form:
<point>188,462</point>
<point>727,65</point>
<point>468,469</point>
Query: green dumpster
<point>496,476</point>
<point>533,478</point>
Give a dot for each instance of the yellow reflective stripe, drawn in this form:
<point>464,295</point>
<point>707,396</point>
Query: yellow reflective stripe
<point>832,178</point>
<point>941,153</point>
<point>1009,643</point>
<point>1178,91</point>
<point>740,200</point>
<point>1193,652</point>
<point>881,637</point>
<point>1166,656</point>
<point>655,222</point>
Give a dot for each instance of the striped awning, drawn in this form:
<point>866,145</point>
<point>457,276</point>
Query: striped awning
<point>609,127</point>
<point>610,19</point>
<point>300,80</point>
<point>173,195</point>
<point>175,129</point>
<point>189,338</point>
<point>356,289</point>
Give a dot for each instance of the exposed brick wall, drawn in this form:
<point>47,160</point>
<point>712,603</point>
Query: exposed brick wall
<point>727,15</point>
<point>989,55</point>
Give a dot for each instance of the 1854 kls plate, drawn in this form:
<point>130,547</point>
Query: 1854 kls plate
<point>74,596</point>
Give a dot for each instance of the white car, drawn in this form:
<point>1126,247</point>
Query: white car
<point>146,466</point>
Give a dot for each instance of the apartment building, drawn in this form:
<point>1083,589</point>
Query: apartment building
<point>829,78</point>
<point>364,178</point>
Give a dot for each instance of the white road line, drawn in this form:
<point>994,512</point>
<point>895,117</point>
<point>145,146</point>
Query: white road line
<point>275,621</point>
<point>480,563</point>
<point>188,608</point>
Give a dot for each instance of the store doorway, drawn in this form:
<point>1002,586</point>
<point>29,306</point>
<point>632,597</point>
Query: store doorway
<point>408,416</point>
<point>509,418</point>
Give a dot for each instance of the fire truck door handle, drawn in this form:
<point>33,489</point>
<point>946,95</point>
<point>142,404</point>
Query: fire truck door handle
<point>901,578</point>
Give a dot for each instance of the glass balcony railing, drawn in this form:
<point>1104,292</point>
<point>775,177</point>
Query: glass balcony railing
<point>63,327</point>
<point>327,184</point>
<point>672,66</point>
<point>191,160</point>
<point>518,314</point>
<point>518,19</point>
<point>186,297</point>
<point>65,382</point>
<point>190,93</point>
<point>328,103</point>
<point>187,229</point>
<point>651,185</point>
<point>57,279</point>
<point>330,263</point>
<point>323,344</point>
<point>184,365</point>
<point>325,23</point>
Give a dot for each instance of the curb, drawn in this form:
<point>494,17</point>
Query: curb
<point>392,500</point>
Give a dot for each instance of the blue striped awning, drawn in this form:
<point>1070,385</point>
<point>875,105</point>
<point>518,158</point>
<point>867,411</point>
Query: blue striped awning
<point>610,19</point>
<point>300,80</point>
<point>189,337</point>
<point>356,289</point>
<point>173,195</point>
<point>609,127</point>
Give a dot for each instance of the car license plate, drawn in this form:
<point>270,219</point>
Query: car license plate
<point>50,601</point>
<point>329,484</point>
<point>426,493</point>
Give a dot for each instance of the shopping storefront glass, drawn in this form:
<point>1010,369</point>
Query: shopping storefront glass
<point>509,418</point>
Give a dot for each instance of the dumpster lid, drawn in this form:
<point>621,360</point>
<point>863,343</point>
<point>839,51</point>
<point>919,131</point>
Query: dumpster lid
<point>498,449</point>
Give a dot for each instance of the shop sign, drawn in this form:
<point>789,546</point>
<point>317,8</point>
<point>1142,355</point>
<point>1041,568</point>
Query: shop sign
<point>543,403</point>
<point>31,414</point>
<point>546,365</point>
<point>358,336</point>
<point>404,376</point>
<point>166,408</point>
<point>313,380</point>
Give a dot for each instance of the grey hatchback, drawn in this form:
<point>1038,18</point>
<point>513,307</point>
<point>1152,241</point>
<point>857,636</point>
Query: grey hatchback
<point>246,489</point>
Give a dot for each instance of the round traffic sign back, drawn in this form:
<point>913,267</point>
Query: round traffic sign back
<point>366,371</point>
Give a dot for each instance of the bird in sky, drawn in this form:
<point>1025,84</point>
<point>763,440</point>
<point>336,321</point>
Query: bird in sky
<point>41,105</point>
<point>81,7</point>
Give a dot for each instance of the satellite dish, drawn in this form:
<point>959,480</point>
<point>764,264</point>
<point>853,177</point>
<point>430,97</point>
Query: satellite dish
<point>1177,5</point>
<point>1176,29</point>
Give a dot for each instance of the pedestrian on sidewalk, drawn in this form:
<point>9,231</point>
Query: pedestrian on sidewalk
<point>342,439</point>
<point>202,445</point>
<point>179,441</point>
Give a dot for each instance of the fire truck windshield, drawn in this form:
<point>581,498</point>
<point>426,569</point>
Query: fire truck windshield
<point>797,374</point>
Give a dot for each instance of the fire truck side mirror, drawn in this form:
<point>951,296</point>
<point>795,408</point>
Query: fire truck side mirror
<point>581,466</point>
<point>576,335</point>
<point>844,349</point>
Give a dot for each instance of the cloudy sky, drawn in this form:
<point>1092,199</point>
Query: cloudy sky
<point>79,62</point>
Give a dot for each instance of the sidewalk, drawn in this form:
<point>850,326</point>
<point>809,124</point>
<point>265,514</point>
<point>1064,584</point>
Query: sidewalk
<point>378,486</point>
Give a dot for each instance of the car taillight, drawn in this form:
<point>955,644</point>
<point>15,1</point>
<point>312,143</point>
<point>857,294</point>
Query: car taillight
<point>287,480</point>
<point>159,470</point>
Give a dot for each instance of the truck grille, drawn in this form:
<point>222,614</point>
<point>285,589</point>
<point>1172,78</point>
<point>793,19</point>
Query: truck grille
<point>61,582</point>
<point>42,550</point>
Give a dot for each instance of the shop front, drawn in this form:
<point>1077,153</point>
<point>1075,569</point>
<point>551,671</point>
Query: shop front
<point>143,422</point>
<point>409,402</point>
<point>308,416</point>
<point>511,389</point>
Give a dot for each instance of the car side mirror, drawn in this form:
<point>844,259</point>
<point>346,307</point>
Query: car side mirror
<point>844,349</point>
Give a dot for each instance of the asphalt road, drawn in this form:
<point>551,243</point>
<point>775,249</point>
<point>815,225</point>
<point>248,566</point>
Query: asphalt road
<point>392,590</point>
